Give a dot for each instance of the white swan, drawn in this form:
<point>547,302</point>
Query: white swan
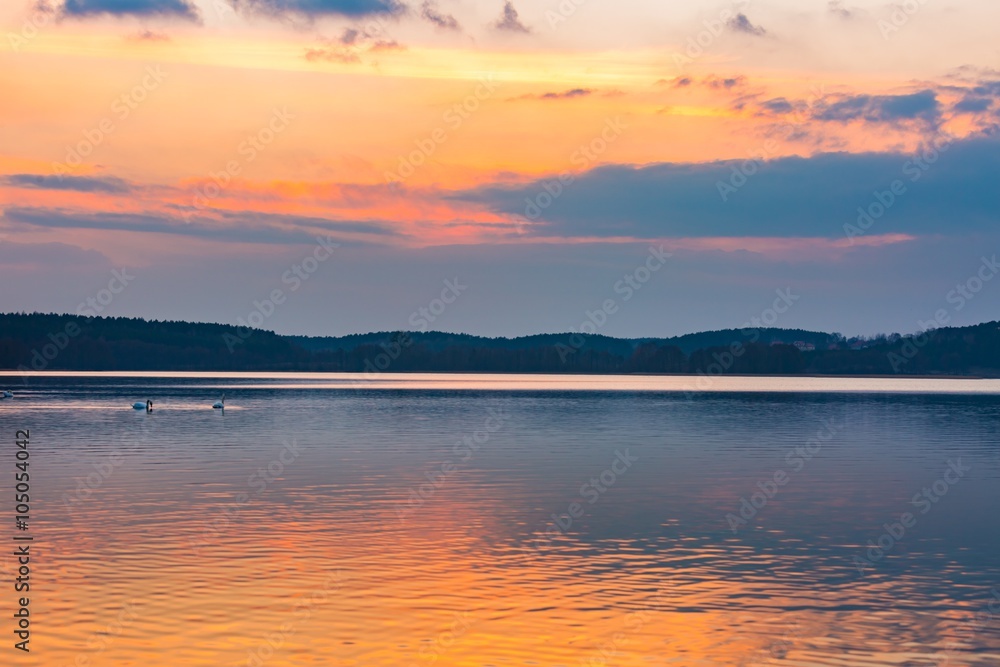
<point>220,404</point>
<point>139,405</point>
<point>7,394</point>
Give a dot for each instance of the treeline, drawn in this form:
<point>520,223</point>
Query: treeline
<point>400,353</point>
<point>65,342</point>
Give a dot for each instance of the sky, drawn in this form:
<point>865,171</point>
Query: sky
<point>502,168</point>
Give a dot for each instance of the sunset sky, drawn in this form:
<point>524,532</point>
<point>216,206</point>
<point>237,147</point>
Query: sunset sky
<point>533,151</point>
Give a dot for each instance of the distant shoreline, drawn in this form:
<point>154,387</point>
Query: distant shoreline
<point>63,342</point>
<point>361,374</point>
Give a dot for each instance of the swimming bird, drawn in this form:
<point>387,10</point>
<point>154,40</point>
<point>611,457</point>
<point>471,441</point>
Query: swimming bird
<point>7,394</point>
<point>220,404</point>
<point>139,405</point>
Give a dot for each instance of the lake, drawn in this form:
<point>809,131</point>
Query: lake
<point>488,520</point>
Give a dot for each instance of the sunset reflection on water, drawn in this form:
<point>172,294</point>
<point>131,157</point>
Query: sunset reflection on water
<point>347,525</point>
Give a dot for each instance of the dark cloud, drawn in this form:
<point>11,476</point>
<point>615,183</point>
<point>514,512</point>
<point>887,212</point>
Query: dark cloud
<point>930,107</point>
<point>564,95</point>
<point>509,19</point>
<point>144,8</point>
<point>727,83</point>
<point>712,81</point>
<point>43,7</point>
<point>837,8</point>
<point>106,184</point>
<point>350,36</point>
<point>778,105</point>
<point>789,196</point>
<point>315,8</point>
<point>575,92</point>
<point>235,226</point>
<point>430,12</point>
<point>740,23</point>
<point>987,88</point>
<point>973,104</point>
<point>922,106</point>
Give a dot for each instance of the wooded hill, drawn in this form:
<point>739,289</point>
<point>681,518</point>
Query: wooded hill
<point>68,342</point>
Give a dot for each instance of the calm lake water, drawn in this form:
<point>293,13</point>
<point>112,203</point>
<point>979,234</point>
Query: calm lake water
<point>473,520</point>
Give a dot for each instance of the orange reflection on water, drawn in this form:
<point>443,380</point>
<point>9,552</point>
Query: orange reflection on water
<point>335,587</point>
<point>184,554</point>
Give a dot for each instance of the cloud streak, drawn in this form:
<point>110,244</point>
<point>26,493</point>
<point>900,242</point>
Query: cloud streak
<point>430,12</point>
<point>103,184</point>
<point>230,226</point>
<point>310,9</point>
<point>142,8</point>
<point>922,106</point>
<point>573,93</point>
